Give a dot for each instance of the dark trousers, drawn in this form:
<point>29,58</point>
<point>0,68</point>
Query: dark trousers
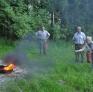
<point>77,47</point>
<point>42,46</point>
<point>92,59</point>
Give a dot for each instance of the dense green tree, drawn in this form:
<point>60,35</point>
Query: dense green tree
<point>14,22</point>
<point>60,17</point>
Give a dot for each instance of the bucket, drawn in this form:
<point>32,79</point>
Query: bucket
<point>89,58</point>
<point>46,46</point>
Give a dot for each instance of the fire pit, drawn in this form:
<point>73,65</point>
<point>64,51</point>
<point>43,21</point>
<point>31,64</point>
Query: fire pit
<point>6,69</point>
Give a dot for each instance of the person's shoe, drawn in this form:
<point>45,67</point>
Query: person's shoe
<point>44,53</point>
<point>77,61</point>
<point>83,61</point>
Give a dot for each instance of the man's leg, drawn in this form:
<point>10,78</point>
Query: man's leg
<point>44,47</point>
<point>92,59</point>
<point>77,56</point>
<point>82,53</point>
<point>40,46</point>
<point>82,56</point>
<point>77,53</point>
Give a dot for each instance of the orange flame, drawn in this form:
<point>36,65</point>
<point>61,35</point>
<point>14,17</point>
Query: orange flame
<point>9,67</point>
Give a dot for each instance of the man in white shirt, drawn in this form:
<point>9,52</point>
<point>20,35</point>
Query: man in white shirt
<point>42,36</point>
<point>79,40</point>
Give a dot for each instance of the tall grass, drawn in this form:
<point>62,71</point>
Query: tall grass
<point>6,45</point>
<point>64,75</point>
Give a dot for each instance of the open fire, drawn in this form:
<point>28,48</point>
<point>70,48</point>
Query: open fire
<point>6,69</point>
<point>9,67</point>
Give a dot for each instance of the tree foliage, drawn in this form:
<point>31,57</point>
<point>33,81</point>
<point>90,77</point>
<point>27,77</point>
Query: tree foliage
<point>60,17</point>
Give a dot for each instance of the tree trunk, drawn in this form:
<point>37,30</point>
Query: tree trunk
<point>52,23</point>
<point>52,19</point>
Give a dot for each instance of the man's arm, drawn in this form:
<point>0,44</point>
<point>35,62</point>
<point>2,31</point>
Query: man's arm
<point>48,35</point>
<point>84,37</point>
<point>73,44</point>
<point>80,50</point>
<point>37,34</point>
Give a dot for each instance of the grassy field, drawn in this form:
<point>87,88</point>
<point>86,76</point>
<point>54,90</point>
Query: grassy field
<point>55,72</point>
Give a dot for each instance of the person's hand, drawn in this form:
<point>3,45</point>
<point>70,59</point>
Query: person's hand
<point>76,51</point>
<point>72,46</point>
<point>90,51</point>
<point>46,39</point>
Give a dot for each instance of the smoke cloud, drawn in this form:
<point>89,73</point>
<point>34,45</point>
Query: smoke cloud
<point>20,55</point>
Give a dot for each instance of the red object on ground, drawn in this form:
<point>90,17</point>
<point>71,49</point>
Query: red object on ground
<point>89,58</point>
<point>46,46</point>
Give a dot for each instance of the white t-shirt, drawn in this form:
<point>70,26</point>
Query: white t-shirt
<point>42,34</point>
<point>79,38</point>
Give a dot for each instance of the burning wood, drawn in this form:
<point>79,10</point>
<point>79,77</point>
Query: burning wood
<point>9,67</point>
<point>6,69</point>
<point>2,71</point>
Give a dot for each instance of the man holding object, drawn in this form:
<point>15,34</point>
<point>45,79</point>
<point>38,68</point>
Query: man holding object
<point>79,40</point>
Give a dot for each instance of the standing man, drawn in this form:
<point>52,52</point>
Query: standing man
<point>79,40</point>
<point>42,36</point>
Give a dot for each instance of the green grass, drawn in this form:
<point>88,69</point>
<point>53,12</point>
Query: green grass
<point>6,46</point>
<point>58,71</point>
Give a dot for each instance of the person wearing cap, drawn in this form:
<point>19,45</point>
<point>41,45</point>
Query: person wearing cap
<point>89,45</point>
<point>79,40</point>
<point>42,36</point>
